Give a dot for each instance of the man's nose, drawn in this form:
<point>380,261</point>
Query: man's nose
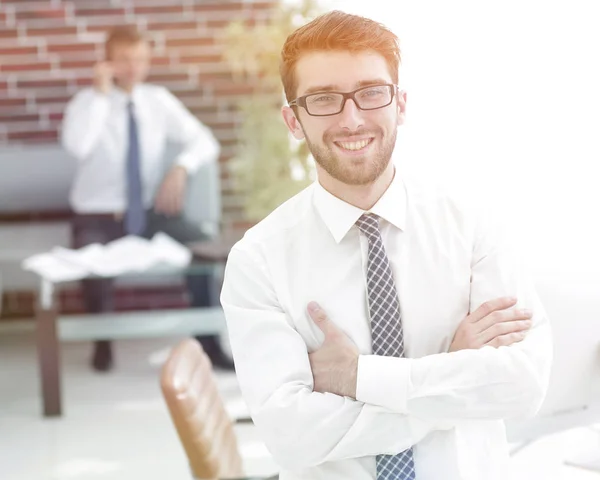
<point>351,116</point>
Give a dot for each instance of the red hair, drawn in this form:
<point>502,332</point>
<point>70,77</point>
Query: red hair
<point>123,35</point>
<point>337,31</point>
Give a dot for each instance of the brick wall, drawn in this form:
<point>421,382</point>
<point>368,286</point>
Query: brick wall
<point>48,48</point>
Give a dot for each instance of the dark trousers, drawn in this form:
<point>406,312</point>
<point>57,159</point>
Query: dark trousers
<point>98,293</point>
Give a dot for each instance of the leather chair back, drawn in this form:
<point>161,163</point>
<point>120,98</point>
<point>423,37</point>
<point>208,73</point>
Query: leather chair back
<point>198,412</point>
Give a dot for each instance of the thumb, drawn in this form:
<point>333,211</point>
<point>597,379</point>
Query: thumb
<point>320,318</point>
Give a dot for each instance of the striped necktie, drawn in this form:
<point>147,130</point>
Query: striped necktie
<point>135,215</point>
<point>386,331</point>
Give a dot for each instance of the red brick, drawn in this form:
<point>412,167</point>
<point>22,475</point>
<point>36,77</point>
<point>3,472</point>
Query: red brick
<point>225,88</point>
<point>56,117</point>
<point>102,28</point>
<point>194,41</point>
<point>18,51</point>
<point>19,59</point>
<point>9,33</point>
<point>2,17</point>
<point>199,59</point>
<point>50,94</point>
<point>64,98</point>
<point>84,81</point>
<point>185,92</point>
<point>183,25</point>
<point>99,12</point>
<point>26,67</point>
<point>201,112</point>
<point>218,6</point>
<point>72,47</point>
<point>242,225</point>
<point>233,209</point>
<point>34,136</point>
<point>47,83</point>
<point>27,4</point>
<point>164,9</point>
<point>264,5</point>
<point>212,77</point>
<point>168,78</point>
<point>228,142</point>
<point>40,14</point>
<point>11,103</point>
<point>6,119</point>
<point>219,23</point>
<point>47,32</point>
<point>161,61</point>
<point>221,125</point>
<point>77,64</point>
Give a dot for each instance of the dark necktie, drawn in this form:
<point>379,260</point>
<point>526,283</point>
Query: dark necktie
<point>135,216</point>
<point>386,331</point>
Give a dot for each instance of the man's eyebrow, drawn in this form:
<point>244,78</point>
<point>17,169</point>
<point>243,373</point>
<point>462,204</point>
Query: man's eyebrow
<point>335,88</point>
<point>321,88</point>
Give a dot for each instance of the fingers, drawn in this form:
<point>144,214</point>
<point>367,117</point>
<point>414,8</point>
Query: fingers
<point>177,204</point>
<point>492,306</point>
<point>503,329</point>
<point>320,318</point>
<point>508,315</point>
<point>508,339</point>
<point>166,203</point>
<point>159,203</point>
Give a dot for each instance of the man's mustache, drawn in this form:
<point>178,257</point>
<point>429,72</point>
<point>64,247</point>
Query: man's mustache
<point>330,136</point>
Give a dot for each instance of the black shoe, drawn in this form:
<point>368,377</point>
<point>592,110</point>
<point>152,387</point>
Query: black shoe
<point>102,360</point>
<point>218,358</point>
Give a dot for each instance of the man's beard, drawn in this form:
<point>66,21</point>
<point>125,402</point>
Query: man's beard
<point>344,171</point>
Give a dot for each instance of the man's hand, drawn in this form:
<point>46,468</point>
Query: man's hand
<point>334,365</point>
<point>171,194</point>
<point>494,324</point>
<point>103,77</point>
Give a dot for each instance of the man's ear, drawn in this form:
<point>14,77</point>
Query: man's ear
<point>401,103</point>
<point>293,124</point>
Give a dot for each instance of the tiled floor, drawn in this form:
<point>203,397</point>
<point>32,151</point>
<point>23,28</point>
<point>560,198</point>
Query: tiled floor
<point>116,426</point>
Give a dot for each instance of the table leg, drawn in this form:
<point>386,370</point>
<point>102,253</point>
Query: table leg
<point>49,360</point>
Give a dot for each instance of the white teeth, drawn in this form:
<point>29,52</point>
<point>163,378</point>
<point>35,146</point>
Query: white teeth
<point>354,145</point>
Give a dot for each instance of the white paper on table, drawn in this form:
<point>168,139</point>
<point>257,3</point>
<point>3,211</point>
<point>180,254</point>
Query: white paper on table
<point>170,251</point>
<point>127,254</point>
<point>130,254</point>
<point>54,269</point>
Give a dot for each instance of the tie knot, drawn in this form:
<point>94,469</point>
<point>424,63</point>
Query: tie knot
<point>369,225</point>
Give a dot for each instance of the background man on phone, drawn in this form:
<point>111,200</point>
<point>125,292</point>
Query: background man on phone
<point>118,131</point>
<point>380,329</point>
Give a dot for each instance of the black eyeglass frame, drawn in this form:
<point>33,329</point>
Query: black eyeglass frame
<point>301,101</point>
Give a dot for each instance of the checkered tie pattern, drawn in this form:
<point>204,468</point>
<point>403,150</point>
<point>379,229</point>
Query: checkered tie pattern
<point>386,331</point>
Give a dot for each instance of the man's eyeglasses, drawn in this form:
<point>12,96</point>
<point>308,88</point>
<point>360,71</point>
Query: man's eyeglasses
<point>323,104</point>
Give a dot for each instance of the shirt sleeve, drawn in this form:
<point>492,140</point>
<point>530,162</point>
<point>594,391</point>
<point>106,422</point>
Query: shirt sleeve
<point>84,122</point>
<point>488,383</point>
<point>276,381</point>
<point>199,144</point>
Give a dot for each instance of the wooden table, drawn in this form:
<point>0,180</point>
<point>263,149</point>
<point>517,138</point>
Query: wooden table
<point>52,328</point>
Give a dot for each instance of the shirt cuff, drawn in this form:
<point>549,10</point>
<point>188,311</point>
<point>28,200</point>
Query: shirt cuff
<point>384,381</point>
<point>188,162</point>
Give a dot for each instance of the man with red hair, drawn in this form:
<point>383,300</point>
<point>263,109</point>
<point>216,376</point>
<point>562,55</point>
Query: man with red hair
<point>380,329</point>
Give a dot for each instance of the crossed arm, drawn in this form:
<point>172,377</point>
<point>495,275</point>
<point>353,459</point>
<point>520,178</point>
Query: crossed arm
<point>398,401</point>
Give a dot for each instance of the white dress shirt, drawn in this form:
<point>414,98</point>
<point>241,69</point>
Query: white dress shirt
<point>449,406</point>
<point>95,132</point>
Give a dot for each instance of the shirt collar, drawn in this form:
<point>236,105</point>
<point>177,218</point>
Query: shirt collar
<point>124,97</point>
<point>340,216</point>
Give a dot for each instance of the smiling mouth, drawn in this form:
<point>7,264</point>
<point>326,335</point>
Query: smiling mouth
<point>355,146</point>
